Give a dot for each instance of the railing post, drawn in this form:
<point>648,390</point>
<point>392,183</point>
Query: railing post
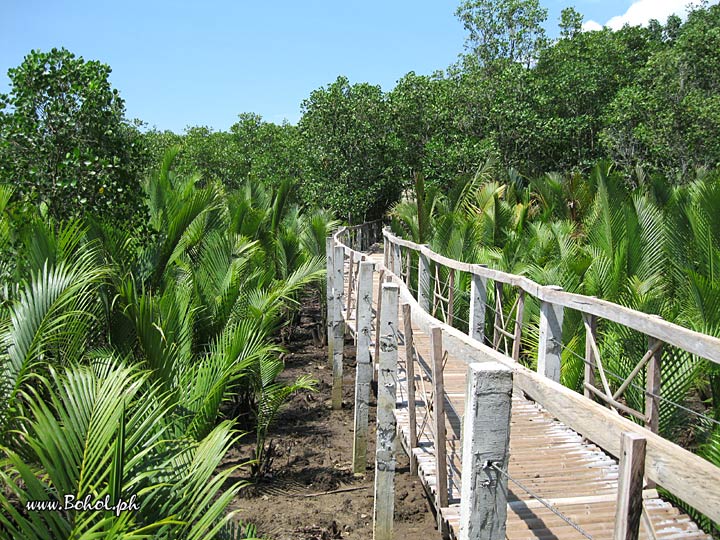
<point>497,324</point>
<point>386,425</point>
<point>410,375</point>
<point>478,302</point>
<point>329,274</point>
<point>441,473</point>
<point>386,252</point>
<point>652,402</point>
<point>486,427</point>
<point>338,327</point>
<point>517,339</point>
<point>397,261</point>
<point>630,487</point>
<point>590,360</point>
<point>550,347</point>
<point>360,240</point>
<point>364,370</point>
<point>351,283</point>
<point>381,280</point>
<point>424,282</point>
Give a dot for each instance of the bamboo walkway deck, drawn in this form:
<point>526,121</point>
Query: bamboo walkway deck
<point>577,477</point>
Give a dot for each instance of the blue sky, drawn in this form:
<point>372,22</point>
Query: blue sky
<point>178,64</point>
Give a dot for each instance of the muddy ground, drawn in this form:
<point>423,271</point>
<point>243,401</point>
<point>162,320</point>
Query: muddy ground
<point>311,492</point>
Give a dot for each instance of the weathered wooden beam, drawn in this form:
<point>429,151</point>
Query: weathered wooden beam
<point>350,286</point>
<point>338,328</point>
<point>363,369</point>
<point>517,337</point>
<point>408,267</point>
<point>478,302</point>
<point>590,337</point>
<point>329,275</point>
<point>630,487</point>
<point>441,473</point>
<point>486,428</point>
<point>550,347</point>
<point>451,296</point>
<point>498,314</point>
<point>423,282</point>
<point>652,401</point>
<point>397,260</point>
<point>384,502</point>
<point>410,372</point>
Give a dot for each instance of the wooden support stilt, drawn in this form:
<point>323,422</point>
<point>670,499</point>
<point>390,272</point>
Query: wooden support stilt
<point>550,347</point>
<point>441,473</point>
<point>384,504</point>
<point>338,328</point>
<point>410,372</point>
<point>478,302</point>
<point>329,275</point>
<point>590,337</point>
<point>424,282</point>
<point>381,280</point>
<point>630,487</point>
<point>364,370</point>
<point>483,499</point>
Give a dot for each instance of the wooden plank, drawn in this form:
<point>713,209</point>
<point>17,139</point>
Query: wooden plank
<point>478,304</point>
<point>497,325</point>
<point>590,338</point>
<point>483,502</point>
<point>381,280</point>
<point>652,401</point>
<point>384,500</point>
<point>550,346</point>
<point>410,374</point>
<point>338,327</point>
<point>436,348</point>
<point>630,487</point>
<point>363,369</point>
<point>517,338</point>
<point>329,276</point>
<point>424,282</point>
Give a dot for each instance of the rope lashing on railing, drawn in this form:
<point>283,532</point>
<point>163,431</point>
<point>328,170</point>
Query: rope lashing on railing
<point>640,388</point>
<point>542,501</point>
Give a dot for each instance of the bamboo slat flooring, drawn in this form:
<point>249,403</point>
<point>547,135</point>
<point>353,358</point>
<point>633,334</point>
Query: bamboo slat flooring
<point>578,478</point>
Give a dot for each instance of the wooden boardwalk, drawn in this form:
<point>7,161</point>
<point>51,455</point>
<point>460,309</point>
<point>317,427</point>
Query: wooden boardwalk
<point>554,462</point>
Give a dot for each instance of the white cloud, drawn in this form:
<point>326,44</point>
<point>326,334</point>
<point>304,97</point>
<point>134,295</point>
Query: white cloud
<point>640,13</point>
<point>590,26</point>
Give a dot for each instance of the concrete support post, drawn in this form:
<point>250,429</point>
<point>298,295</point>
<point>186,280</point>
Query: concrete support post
<point>384,505</point>
<point>483,499</point>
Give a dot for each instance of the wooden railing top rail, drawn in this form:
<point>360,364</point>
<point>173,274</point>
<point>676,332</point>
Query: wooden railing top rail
<point>694,342</point>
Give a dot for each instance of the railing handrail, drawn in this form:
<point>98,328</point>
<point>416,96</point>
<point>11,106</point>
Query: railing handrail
<point>697,343</point>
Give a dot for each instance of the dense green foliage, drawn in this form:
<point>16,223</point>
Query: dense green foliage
<point>127,361</point>
<point>64,141</point>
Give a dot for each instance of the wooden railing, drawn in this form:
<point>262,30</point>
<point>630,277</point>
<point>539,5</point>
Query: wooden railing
<point>430,294</point>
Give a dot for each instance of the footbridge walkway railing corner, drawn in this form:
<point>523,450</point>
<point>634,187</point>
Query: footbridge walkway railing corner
<point>363,293</point>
